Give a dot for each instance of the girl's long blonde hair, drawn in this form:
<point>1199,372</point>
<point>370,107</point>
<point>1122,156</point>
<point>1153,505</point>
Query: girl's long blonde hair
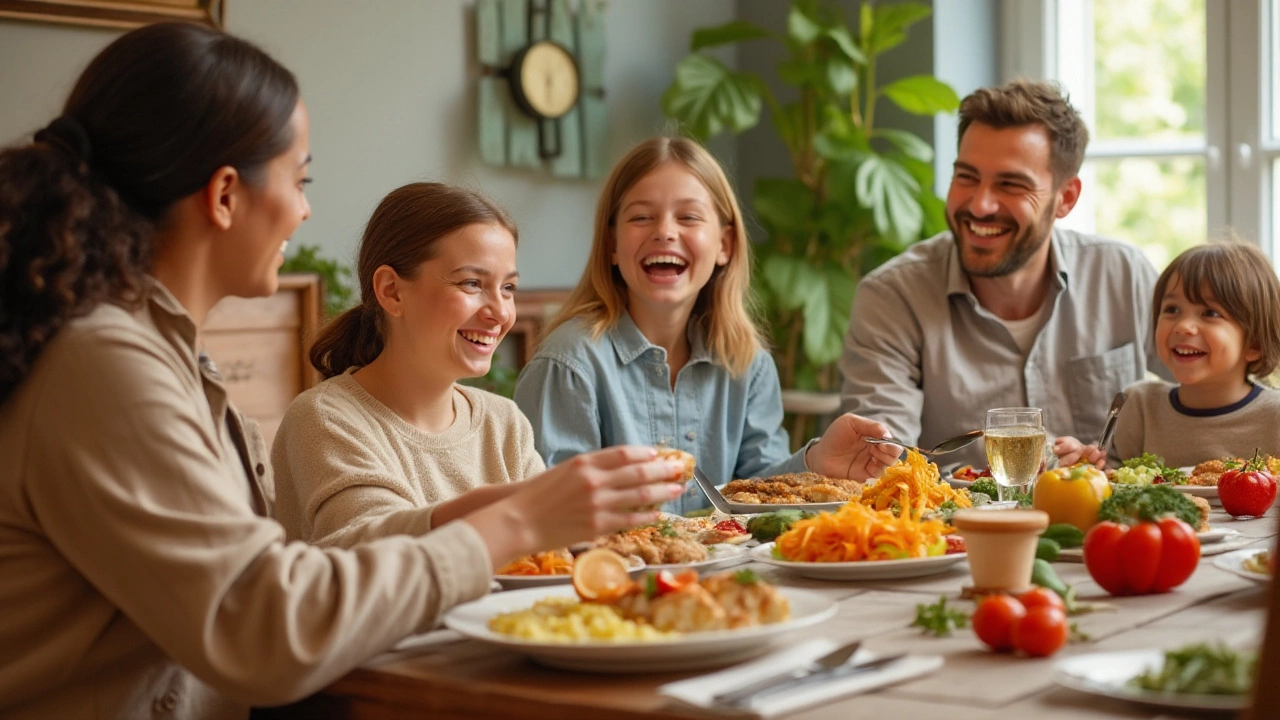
<point>724,310</point>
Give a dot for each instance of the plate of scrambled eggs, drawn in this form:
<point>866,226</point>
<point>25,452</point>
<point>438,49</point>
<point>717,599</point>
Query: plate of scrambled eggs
<point>551,626</point>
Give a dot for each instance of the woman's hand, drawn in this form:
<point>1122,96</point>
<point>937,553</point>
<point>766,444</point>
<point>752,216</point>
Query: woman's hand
<point>1071,451</point>
<point>843,453</point>
<point>580,499</point>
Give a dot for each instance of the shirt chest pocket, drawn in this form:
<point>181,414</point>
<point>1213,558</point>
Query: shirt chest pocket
<point>1093,381</point>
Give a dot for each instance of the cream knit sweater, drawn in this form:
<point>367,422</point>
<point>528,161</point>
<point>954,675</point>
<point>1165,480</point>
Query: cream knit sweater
<point>348,469</point>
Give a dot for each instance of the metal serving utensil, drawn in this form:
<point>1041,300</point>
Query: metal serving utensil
<point>1109,429</point>
<point>709,489</point>
<point>949,445</point>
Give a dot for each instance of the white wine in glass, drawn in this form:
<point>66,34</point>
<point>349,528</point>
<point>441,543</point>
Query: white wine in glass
<point>1015,440</point>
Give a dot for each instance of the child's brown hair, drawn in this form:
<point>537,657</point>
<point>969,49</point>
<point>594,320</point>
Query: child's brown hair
<point>1240,279</point>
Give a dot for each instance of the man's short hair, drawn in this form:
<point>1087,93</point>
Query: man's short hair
<point>1027,102</point>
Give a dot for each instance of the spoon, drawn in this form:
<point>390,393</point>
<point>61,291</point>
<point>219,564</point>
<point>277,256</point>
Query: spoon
<point>833,659</point>
<point>946,446</point>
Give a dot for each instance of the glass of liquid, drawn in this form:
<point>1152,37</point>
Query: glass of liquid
<point>1015,441</point>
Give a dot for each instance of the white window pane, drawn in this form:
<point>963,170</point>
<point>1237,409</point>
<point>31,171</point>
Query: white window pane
<point>1272,57</point>
<point>1275,213</point>
<point>1158,204</point>
<point>1149,69</point>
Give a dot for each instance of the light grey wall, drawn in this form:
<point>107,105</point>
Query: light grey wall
<point>390,87</point>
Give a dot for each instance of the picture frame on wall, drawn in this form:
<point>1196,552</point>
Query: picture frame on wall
<point>122,14</point>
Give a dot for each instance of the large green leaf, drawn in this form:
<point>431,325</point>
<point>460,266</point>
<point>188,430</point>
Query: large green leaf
<point>935,210</point>
<point>848,145</point>
<point>730,32</point>
<point>790,279</point>
<point>842,76</point>
<point>891,193</point>
<point>826,315</point>
<point>922,95</point>
<point>709,97</point>
<point>800,72</point>
<point>840,37</point>
<point>785,205</point>
<point>909,143</point>
<point>801,27</point>
<point>889,27</point>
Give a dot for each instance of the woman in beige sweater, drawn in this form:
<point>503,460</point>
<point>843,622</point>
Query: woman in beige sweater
<point>390,433</point>
<point>140,573</point>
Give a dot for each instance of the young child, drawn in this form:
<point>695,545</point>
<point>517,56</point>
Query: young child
<point>390,443</point>
<point>656,345</point>
<point>1217,326</point>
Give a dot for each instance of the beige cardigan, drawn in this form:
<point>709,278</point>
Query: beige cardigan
<point>138,577</point>
<point>348,468</point>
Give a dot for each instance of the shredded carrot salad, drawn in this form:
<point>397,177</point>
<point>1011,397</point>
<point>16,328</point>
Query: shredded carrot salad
<point>856,532</point>
<point>913,483</point>
<point>554,562</point>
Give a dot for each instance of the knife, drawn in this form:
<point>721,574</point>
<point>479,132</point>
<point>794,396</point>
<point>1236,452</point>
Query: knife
<point>746,696</point>
<point>1110,428</point>
<point>709,489</point>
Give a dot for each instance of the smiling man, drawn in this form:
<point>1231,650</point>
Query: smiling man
<point>1004,309</point>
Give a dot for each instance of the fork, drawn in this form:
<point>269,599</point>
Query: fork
<point>833,659</point>
<point>949,445</point>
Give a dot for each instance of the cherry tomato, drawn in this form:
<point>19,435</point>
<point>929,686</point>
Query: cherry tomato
<point>994,620</point>
<point>667,582</point>
<point>1041,597</point>
<point>1041,632</point>
<point>955,544</point>
<point>1149,557</point>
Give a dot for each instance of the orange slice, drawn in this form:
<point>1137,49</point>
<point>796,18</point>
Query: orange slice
<point>600,574</point>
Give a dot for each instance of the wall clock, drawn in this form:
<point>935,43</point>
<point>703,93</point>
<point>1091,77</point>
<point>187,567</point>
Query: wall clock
<point>541,95</point>
<point>544,83</point>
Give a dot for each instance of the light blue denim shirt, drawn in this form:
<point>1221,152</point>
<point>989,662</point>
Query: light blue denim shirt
<point>582,394</point>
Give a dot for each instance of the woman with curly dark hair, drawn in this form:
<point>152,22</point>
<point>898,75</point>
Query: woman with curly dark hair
<point>139,573</point>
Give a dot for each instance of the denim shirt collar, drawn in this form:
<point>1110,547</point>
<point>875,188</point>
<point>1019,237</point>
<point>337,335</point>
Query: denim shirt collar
<point>631,344</point>
<point>958,281</point>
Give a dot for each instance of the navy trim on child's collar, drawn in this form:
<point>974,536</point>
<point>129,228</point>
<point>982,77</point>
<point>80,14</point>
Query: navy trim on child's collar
<point>1213,412</point>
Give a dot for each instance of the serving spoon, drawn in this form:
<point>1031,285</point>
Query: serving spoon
<point>949,445</point>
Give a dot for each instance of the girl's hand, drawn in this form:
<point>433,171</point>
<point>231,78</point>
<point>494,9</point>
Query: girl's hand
<point>1071,451</point>
<point>842,452</point>
<point>580,499</point>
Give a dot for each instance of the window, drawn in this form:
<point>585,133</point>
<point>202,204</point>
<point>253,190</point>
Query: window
<point>1180,149</point>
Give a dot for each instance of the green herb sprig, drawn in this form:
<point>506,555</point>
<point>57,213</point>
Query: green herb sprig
<point>938,619</point>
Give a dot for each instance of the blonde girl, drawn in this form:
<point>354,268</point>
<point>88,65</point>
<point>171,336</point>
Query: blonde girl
<point>656,345</point>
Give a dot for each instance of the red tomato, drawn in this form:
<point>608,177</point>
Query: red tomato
<point>955,545</point>
<point>666,582</point>
<point>1041,631</point>
<point>1149,557</point>
<point>730,525</point>
<point>1041,597</point>
<point>994,620</point>
<point>1246,492</point>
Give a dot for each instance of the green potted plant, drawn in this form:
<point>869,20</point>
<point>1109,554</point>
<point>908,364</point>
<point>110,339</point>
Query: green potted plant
<point>859,193</point>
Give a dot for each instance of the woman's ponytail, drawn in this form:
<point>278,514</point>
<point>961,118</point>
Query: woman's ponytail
<point>67,243</point>
<point>353,339</point>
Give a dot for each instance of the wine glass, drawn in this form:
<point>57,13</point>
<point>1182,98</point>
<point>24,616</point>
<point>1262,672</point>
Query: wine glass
<point>1015,440</point>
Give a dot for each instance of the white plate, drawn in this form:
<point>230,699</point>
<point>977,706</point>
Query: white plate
<point>862,569</point>
<point>754,508</point>
<point>1233,562</point>
<point>685,652</point>
<point>958,483</point>
<point>720,555</point>
<point>1208,537</point>
<point>516,582</point>
<point>1107,674</point>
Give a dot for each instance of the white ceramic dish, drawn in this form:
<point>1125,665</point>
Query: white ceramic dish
<point>519,582</point>
<point>1108,674</point>
<point>1233,562</point>
<point>753,508</point>
<point>860,570</point>
<point>686,652</point>
<point>718,556</point>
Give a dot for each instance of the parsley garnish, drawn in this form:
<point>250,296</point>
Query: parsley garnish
<point>938,619</point>
<point>746,577</point>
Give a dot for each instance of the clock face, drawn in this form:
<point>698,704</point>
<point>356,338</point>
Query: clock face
<point>549,79</point>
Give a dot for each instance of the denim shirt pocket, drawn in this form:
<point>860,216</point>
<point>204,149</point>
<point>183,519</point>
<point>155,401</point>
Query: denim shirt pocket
<point>1092,381</point>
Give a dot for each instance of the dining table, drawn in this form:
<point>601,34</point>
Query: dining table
<point>445,675</point>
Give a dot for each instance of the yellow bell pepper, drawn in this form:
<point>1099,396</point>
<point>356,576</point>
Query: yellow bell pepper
<point>1072,494</point>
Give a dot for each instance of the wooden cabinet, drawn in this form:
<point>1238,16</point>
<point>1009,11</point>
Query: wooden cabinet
<point>534,309</point>
<point>260,344</point>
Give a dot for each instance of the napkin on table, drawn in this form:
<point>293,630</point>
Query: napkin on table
<point>699,691</point>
